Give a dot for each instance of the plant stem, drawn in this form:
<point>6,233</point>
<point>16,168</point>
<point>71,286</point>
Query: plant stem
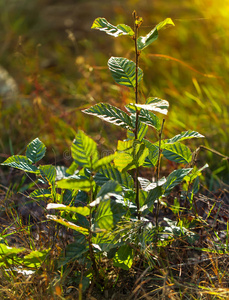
<point>91,253</point>
<point>137,54</point>
<point>158,169</point>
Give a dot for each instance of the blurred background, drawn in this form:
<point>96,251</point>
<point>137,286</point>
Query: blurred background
<point>53,65</point>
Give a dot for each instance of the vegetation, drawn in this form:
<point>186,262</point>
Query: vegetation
<point>126,224</point>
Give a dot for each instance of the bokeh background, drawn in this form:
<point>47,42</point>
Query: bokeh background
<point>52,65</point>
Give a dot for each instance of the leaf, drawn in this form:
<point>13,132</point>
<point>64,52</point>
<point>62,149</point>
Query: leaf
<point>48,172</point>
<point>175,178</point>
<point>111,173</point>
<point>104,161</point>
<point>109,212</point>
<point>35,150</point>
<point>130,154</point>
<point>155,104</point>
<point>103,25</point>
<point>84,150</point>
<point>178,153</point>
<point>110,114</point>
<point>153,195</point>
<point>68,224</point>
<point>147,185</point>
<point>142,130</point>
<point>123,71</point>
<point>41,193</point>
<point>150,119</point>
<point>110,187</point>
<point>153,152</point>
<point>76,184</point>
<point>82,210</point>
<point>35,258</point>
<point>143,42</point>
<point>20,162</point>
<point>124,257</point>
<point>184,136</point>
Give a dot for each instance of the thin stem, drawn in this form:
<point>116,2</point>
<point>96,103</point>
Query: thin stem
<point>158,169</point>
<point>137,112</point>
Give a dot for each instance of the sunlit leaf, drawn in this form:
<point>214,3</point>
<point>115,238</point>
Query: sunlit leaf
<point>84,150</point>
<point>123,71</point>
<point>150,119</point>
<point>41,193</point>
<point>152,104</point>
<point>20,162</point>
<point>178,153</point>
<point>68,224</point>
<point>109,212</point>
<point>82,210</point>
<point>103,161</point>
<point>184,136</point>
<point>143,42</point>
<point>35,150</point>
<point>48,172</point>
<point>76,184</point>
<point>103,25</point>
<point>124,257</point>
<point>153,152</point>
<point>110,114</point>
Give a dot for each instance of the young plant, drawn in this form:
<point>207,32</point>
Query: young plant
<point>104,195</point>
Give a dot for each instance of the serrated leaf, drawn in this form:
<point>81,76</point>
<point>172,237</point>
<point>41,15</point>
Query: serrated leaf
<point>175,178</point>
<point>147,185</point>
<point>111,173</point>
<point>143,42</point>
<point>178,153</point>
<point>82,210</point>
<point>48,172</point>
<point>68,224</point>
<point>20,162</point>
<point>124,257</point>
<point>84,150</point>
<point>110,114</point>
<point>109,212</point>
<point>123,71</point>
<point>184,136</point>
<point>103,25</point>
<point>76,184</point>
<point>35,150</point>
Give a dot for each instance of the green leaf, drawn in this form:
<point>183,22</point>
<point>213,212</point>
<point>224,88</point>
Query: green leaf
<point>109,212</point>
<point>35,258</point>
<point>178,153</point>
<point>153,195</point>
<point>174,179</point>
<point>130,154</point>
<point>150,119</point>
<point>82,210</point>
<point>76,184</point>
<point>41,193</point>
<point>84,150</point>
<point>143,42</point>
<point>20,162</point>
<point>103,25</point>
<point>35,150</point>
<point>142,130</point>
<point>104,161</point>
<point>123,71</point>
<point>110,186</point>
<point>110,114</point>
<point>111,173</point>
<point>68,224</point>
<point>124,257</point>
<point>184,136</point>
<point>153,152</point>
<point>147,185</point>
<point>48,172</point>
